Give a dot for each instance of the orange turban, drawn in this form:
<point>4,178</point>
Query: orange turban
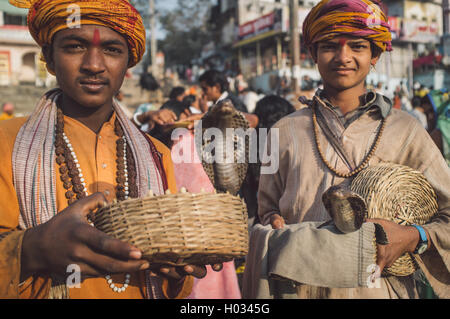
<point>46,17</point>
<point>359,18</point>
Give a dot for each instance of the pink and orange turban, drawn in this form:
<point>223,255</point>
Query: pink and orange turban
<point>46,17</point>
<point>359,18</point>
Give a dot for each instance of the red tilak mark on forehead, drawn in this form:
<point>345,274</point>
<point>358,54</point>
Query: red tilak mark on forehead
<point>96,39</point>
<point>343,41</point>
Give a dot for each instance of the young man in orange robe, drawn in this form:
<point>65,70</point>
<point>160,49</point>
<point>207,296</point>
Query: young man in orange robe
<point>75,152</point>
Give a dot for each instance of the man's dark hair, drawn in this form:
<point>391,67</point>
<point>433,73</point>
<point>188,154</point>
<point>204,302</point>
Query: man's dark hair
<point>148,82</point>
<point>188,100</point>
<point>214,77</point>
<point>271,109</point>
<point>175,106</point>
<point>376,50</point>
<point>176,92</point>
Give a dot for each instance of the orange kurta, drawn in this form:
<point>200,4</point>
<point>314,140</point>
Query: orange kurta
<point>96,155</point>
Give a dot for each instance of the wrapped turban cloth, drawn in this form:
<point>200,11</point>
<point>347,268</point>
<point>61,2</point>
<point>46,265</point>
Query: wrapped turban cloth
<point>46,17</point>
<point>358,18</point>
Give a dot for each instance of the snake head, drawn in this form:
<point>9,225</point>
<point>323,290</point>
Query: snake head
<point>224,107</point>
<point>224,174</point>
<point>347,208</point>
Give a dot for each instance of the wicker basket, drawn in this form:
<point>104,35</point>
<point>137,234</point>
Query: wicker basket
<point>400,194</point>
<point>180,229</point>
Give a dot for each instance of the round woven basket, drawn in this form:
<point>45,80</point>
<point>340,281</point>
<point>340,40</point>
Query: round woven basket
<point>400,194</point>
<point>180,229</point>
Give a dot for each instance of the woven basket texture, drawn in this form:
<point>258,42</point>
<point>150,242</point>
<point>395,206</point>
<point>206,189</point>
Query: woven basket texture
<point>399,194</point>
<point>180,229</point>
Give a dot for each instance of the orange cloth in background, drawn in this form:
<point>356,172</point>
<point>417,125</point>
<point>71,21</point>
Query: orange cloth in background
<point>96,155</point>
<point>6,116</point>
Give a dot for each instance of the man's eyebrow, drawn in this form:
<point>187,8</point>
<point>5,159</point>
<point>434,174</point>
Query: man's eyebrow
<point>357,41</point>
<point>86,41</point>
<point>113,42</point>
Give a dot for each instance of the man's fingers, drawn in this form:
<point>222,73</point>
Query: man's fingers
<point>217,267</point>
<point>165,120</point>
<point>87,271</point>
<point>187,112</point>
<point>172,115</point>
<point>94,264</point>
<point>90,203</point>
<point>196,271</point>
<point>167,115</point>
<point>159,121</point>
<point>106,245</point>
<point>171,272</point>
<point>277,221</point>
<point>179,272</point>
<point>278,224</point>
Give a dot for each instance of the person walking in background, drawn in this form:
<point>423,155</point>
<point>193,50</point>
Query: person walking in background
<point>215,88</point>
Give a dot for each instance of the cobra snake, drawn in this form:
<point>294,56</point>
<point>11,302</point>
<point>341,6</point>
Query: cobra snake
<point>225,175</point>
<point>349,211</point>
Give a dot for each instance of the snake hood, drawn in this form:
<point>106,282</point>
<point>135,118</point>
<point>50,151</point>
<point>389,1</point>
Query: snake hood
<point>223,147</point>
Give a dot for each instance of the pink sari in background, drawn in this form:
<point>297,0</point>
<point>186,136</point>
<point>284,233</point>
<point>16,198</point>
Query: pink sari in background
<point>189,174</point>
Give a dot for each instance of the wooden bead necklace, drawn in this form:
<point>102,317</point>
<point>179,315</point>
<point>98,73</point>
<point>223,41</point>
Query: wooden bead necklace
<point>75,184</point>
<point>364,162</point>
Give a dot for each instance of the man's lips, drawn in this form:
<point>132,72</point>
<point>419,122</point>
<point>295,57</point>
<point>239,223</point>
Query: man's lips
<point>93,86</point>
<point>343,71</point>
<point>85,82</point>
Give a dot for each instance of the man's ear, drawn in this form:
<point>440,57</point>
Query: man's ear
<point>218,87</point>
<point>47,52</point>
<point>374,60</point>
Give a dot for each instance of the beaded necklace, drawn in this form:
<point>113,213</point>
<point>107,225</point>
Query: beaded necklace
<point>364,162</point>
<point>75,184</point>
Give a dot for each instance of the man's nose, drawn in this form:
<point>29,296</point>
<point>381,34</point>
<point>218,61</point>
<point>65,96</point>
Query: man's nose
<point>93,61</point>
<point>343,54</point>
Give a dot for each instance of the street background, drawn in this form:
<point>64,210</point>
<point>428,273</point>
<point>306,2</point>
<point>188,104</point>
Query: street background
<point>252,41</point>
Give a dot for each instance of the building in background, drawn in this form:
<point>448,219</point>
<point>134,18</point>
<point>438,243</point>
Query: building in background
<point>261,42</point>
<point>19,54</point>
<point>419,30</point>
